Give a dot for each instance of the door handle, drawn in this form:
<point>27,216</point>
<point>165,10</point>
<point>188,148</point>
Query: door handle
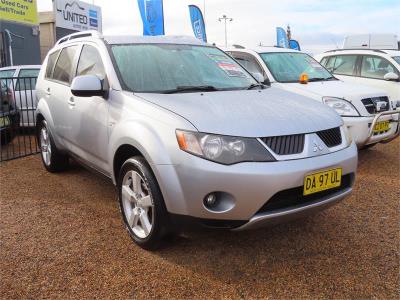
<point>48,93</point>
<point>71,101</point>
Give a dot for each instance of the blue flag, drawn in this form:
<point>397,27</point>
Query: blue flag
<point>198,25</point>
<point>152,14</point>
<point>293,44</point>
<point>281,38</point>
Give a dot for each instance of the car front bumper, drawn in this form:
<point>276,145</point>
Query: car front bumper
<point>249,186</point>
<point>361,128</point>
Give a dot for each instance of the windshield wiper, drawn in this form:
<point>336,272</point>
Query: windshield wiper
<point>254,85</point>
<point>192,88</point>
<point>320,79</point>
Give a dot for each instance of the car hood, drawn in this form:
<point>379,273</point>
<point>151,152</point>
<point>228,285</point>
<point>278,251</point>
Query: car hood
<point>253,113</point>
<point>334,88</point>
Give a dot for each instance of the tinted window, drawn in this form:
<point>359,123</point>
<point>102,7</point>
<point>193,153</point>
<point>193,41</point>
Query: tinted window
<point>63,71</point>
<point>50,64</point>
<point>165,67</point>
<point>397,58</point>
<point>29,79</point>
<point>344,64</point>
<point>90,63</point>
<point>329,63</point>
<point>376,67</point>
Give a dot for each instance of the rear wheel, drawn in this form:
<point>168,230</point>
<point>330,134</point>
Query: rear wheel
<point>141,203</point>
<point>53,160</point>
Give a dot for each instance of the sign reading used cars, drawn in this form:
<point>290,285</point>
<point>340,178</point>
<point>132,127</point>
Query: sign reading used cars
<point>21,11</point>
<point>77,15</point>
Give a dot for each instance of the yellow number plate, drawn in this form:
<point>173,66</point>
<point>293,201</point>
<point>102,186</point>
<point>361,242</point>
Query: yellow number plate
<point>4,121</point>
<point>322,181</point>
<point>381,126</point>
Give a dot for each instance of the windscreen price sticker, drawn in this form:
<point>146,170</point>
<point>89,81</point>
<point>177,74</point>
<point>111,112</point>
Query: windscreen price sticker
<point>231,69</point>
<point>225,64</point>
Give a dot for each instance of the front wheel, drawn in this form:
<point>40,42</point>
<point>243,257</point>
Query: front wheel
<point>141,203</point>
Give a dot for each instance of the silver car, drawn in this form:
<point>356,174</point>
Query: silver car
<point>187,135</point>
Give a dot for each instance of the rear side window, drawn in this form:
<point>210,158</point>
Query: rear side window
<point>344,64</point>
<point>90,63</point>
<point>376,67</point>
<point>64,69</point>
<point>248,62</point>
<point>50,64</point>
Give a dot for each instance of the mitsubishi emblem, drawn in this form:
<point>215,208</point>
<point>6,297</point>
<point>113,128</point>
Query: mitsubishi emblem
<point>317,146</point>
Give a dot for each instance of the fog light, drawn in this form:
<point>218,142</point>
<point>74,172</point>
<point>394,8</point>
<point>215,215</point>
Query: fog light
<point>210,200</point>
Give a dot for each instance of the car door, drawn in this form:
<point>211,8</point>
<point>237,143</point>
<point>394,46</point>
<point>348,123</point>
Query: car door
<point>88,116</point>
<point>372,70</point>
<point>59,92</point>
<point>25,95</point>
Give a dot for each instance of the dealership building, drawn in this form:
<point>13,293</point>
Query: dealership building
<point>26,35</point>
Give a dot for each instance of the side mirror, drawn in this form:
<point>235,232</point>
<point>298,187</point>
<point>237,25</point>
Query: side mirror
<point>87,86</point>
<point>391,76</point>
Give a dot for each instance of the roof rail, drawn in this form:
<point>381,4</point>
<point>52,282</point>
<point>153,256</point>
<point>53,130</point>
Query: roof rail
<point>77,35</point>
<point>375,50</point>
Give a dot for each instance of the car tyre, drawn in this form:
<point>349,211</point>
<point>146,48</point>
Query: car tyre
<point>142,205</point>
<point>53,159</point>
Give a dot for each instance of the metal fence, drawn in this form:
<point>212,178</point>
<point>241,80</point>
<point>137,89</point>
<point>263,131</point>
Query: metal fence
<point>17,117</point>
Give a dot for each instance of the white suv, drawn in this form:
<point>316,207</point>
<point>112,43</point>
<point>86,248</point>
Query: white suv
<point>375,68</point>
<point>366,111</point>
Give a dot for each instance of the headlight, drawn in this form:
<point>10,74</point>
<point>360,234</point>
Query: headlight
<point>342,107</point>
<point>223,149</point>
<point>347,135</point>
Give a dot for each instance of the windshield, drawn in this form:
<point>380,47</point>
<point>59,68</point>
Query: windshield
<point>7,73</point>
<point>397,58</point>
<point>287,67</point>
<point>159,68</point>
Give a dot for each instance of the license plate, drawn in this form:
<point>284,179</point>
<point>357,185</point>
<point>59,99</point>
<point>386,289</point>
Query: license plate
<point>322,181</point>
<point>381,126</point>
<point>4,121</point>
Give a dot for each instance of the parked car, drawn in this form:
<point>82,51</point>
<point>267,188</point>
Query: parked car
<point>375,68</point>
<point>22,80</point>
<point>367,112</point>
<point>187,135</point>
<point>9,115</point>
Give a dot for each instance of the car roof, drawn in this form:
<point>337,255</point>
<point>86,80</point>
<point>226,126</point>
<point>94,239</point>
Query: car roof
<point>129,39</point>
<point>260,49</point>
<point>21,67</point>
<point>369,51</point>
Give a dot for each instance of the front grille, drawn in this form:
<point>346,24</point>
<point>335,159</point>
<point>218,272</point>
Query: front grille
<point>371,104</point>
<point>331,137</point>
<point>294,197</point>
<point>286,144</point>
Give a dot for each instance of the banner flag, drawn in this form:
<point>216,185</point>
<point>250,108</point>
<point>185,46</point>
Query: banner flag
<point>293,44</point>
<point>281,38</point>
<point>198,25</point>
<point>152,13</point>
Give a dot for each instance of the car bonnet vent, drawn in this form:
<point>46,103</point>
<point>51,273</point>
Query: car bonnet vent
<point>286,144</point>
<point>331,137</point>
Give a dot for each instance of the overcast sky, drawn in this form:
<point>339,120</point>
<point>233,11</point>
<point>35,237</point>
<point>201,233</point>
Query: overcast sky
<point>317,24</point>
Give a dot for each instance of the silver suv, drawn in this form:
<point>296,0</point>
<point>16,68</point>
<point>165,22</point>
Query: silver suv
<point>187,135</point>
